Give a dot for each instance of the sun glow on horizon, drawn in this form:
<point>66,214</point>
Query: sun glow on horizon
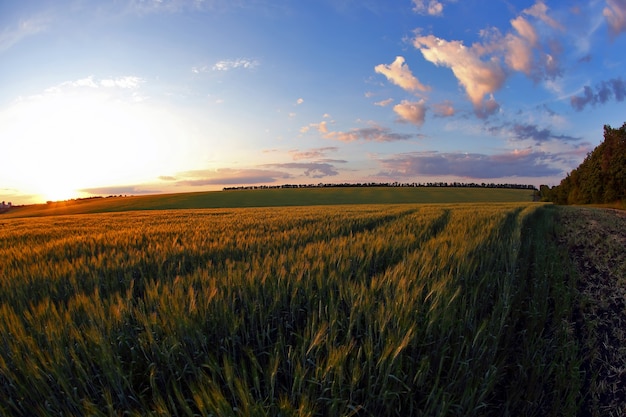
<point>60,194</point>
<point>63,142</point>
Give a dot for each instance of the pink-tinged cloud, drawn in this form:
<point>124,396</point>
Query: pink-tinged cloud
<point>479,78</point>
<point>411,112</point>
<point>369,134</point>
<point>524,163</point>
<point>398,73</point>
<point>119,190</point>
<point>518,49</point>
<point>384,103</point>
<point>525,30</point>
<point>230,176</point>
<point>311,169</point>
<point>321,127</point>
<point>429,7</point>
<point>518,54</point>
<point>444,109</point>
<point>615,14</point>
<point>489,107</point>
<point>312,153</point>
<point>480,68</point>
<point>540,11</point>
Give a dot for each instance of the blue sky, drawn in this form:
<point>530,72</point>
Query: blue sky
<point>153,96</point>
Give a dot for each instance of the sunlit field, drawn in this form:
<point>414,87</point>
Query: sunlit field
<point>366,310</point>
<point>277,198</point>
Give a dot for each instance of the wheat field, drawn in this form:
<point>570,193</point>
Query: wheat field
<point>369,310</point>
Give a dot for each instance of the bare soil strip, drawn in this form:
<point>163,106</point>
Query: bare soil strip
<point>596,242</point>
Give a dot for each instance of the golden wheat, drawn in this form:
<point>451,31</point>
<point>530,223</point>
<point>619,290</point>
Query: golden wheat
<point>345,310</point>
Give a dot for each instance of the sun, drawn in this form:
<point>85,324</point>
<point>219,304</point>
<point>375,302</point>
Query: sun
<point>59,192</point>
<point>65,143</point>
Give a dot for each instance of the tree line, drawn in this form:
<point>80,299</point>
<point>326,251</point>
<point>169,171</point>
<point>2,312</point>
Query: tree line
<point>386,184</point>
<point>599,179</point>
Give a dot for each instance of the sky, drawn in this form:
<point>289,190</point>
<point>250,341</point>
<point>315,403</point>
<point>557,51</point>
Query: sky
<point>137,97</point>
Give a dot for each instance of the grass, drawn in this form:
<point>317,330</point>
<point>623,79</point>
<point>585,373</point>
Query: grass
<point>596,239</point>
<point>368,310</point>
<point>618,205</point>
<point>274,198</point>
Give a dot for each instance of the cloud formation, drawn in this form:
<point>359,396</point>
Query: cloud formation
<point>428,7</point>
<point>524,163</point>
<point>444,109</point>
<point>384,103</point>
<point>411,112</point>
<point>479,78</point>
<point>482,68</point>
<point>615,14</point>
<point>119,190</point>
<point>518,48</point>
<point>540,11</point>
<point>128,82</point>
<point>230,176</point>
<point>311,169</point>
<point>256,175</point>
<point>373,133</point>
<point>398,73</point>
<point>312,153</point>
<point>531,131</point>
<point>321,127</point>
<point>229,64</point>
<point>614,88</point>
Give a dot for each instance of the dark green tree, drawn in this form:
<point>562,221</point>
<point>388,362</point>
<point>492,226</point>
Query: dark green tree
<point>601,178</point>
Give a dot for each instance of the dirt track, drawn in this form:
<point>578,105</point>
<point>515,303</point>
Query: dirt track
<point>596,242</point>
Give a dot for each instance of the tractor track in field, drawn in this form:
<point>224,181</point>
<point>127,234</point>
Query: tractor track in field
<point>596,243</point>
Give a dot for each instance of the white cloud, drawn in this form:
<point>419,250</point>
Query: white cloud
<point>169,6</point>
<point>83,82</point>
<point>398,73</point>
<point>129,82</point>
<point>200,69</point>
<point>300,101</point>
<point>226,65</point>
<point>229,64</point>
<point>429,7</point>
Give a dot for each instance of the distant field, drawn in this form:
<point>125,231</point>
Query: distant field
<point>278,197</point>
<point>354,310</point>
